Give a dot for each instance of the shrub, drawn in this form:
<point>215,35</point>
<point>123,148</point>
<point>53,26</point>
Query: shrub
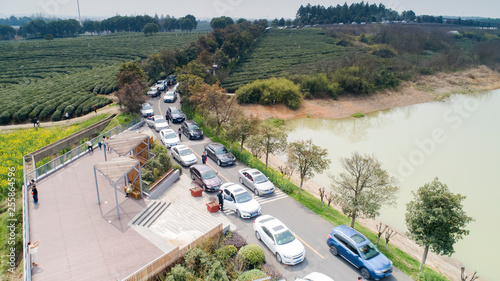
<point>178,167</point>
<point>216,273</point>
<point>234,239</point>
<point>252,254</point>
<point>273,90</point>
<point>226,252</point>
<point>196,260</point>
<point>251,275</point>
<point>179,273</point>
<point>319,87</point>
<point>358,115</point>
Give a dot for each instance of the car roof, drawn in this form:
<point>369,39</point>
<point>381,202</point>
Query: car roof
<point>190,122</point>
<point>202,167</point>
<point>356,237</point>
<point>158,116</point>
<point>167,131</point>
<point>215,144</point>
<point>273,224</point>
<point>182,147</point>
<point>234,188</point>
<point>254,172</point>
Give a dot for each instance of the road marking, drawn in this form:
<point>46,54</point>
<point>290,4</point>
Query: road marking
<point>312,249</point>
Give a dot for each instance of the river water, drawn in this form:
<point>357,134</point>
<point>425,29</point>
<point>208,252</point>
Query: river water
<point>457,140</point>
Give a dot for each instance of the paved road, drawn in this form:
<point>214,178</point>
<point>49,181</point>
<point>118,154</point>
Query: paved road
<point>311,229</point>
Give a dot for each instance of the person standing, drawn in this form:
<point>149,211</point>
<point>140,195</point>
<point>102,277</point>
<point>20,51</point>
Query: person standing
<point>221,200</point>
<point>66,115</point>
<point>204,157</point>
<point>99,143</point>
<point>180,133</point>
<point>89,147</point>
<point>33,250</point>
<point>34,191</point>
<point>95,109</point>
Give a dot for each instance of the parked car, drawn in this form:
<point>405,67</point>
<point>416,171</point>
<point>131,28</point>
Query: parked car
<point>205,177</point>
<point>236,198</point>
<point>315,276</point>
<point>153,91</point>
<point>160,85</point>
<point>359,251</point>
<point>256,181</point>
<point>184,155</point>
<point>147,110</point>
<point>169,138</point>
<point>170,96</point>
<point>191,130</point>
<point>175,115</point>
<point>279,239</point>
<point>157,122</point>
<point>220,154</point>
<point>171,80</point>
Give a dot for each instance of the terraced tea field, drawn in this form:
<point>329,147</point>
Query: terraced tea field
<point>283,51</point>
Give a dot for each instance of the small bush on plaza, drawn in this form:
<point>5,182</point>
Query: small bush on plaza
<point>252,255</point>
<point>178,167</point>
<point>159,165</point>
<point>179,273</point>
<point>217,272</point>
<point>234,239</point>
<point>271,271</point>
<point>251,275</point>
<point>226,252</point>
<point>197,260</point>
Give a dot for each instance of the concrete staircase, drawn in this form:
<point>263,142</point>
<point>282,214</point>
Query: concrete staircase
<point>149,215</point>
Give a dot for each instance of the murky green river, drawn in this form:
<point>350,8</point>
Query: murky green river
<point>457,140</point>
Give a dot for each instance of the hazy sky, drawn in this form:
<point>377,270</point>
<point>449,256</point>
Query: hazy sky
<point>233,8</point>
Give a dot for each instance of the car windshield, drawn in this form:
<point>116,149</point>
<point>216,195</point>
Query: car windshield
<point>208,175</point>
<point>221,150</point>
<point>170,135</point>
<point>284,237</point>
<point>185,152</point>
<point>160,120</point>
<point>146,107</point>
<point>260,179</point>
<point>159,83</point>
<point>176,111</point>
<point>368,251</point>
<point>193,127</point>
<point>170,94</point>
<point>243,197</point>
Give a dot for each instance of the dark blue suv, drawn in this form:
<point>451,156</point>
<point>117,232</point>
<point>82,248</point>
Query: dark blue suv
<point>360,252</point>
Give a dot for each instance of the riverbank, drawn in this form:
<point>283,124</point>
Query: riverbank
<point>427,89</point>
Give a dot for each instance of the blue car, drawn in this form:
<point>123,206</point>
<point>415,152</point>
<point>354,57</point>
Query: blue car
<point>360,252</point>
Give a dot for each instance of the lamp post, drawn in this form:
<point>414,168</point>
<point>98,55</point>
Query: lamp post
<point>22,68</point>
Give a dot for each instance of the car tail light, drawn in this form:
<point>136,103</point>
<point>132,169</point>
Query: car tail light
<point>329,236</point>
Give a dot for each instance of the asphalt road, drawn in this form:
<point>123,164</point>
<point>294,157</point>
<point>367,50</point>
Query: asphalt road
<point>310,229</point>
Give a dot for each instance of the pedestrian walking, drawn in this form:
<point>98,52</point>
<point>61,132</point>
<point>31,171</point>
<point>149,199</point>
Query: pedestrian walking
<point>221,200</point>
<point>95,109</point>
<point>34,192</point>
<point>66,116</point>
<point>180,133</point>
<point>33,250</point>
<point>204,157</point>
<point>34,121</point>
<point>99,143</point>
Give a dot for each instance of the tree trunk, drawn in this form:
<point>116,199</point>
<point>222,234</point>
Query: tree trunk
<point>241,146</point>
<point>267,157</point>
<point>300,188</point>
<point>353,219</point>
<point>424,258</point>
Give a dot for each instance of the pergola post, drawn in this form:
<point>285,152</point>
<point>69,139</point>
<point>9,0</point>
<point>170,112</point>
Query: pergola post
<point>105,148</point>
<point>96,187</point>
<point>140,177</point>
<point>116,198</point>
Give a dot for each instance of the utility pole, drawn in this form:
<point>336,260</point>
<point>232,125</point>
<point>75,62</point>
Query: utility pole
<point>22,68</point>
<point>79,18</point>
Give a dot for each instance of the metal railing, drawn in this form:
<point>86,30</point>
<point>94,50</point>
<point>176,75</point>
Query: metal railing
<point>49,168</point>
<point>61,161</point>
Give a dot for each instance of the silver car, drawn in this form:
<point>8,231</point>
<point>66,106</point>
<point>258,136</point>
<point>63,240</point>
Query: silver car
<point>256,181</point>
<point>184,155</point>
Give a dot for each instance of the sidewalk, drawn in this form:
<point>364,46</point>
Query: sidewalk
<point>107,109</point>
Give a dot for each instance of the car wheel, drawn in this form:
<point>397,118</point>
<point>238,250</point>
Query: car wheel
<point>192,176</point>
<point>257,235</point>
<point>278,258</point>
<point>256,191</point>
<point>334,250</point>
<point>365,273</point>
<point>219,163</point>
<point>238,214</point>
<point>241,180</point>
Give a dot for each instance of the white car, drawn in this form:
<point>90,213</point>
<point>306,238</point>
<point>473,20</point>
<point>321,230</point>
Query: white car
<point>170,96</point>
<point>315,276</point>
<point>256,181</point>
<point>184,155</point>
<point>279,239</point>
<point>153,91</point>
<point>169,138</point>
<point>157,122</point>
<point>236,198</point>
<point>160,85</point>
<point>146,110</point>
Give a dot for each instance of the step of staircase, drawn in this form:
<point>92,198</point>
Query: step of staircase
<point>149,215</point>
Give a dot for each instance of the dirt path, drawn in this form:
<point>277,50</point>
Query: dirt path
<point>107,109</point>
<point>426,89</point>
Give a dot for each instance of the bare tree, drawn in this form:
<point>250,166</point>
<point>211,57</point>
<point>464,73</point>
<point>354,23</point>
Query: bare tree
<point>307,158</point>
<point>388,235</point>
<point>321,195</point>
<point>464,277</point>
<point>381,231</point>
<point>269,139</point>
<point>329,199</point>
<point>364,187</point>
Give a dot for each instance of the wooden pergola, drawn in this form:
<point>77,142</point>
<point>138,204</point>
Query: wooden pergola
<point>115,170</point>
<point>126,143</point>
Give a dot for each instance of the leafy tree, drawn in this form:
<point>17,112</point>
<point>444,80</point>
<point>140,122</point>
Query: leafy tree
<point>131,96</point>
<point>435,219</point>
<point>216,273</point>
<point>49,37</point>
<point>151,28</point>
<point>240,128</point>
<point>129,73</point>
<point>188,23</point>
<point>275,23</point>
<point>171,24</point>
<point>363,187</point>
<point>307,158</point>
<point>7,32</point>
<point>213,100</point>
<point>188,83</point>
<point>269,139</point>
<point>221,22</point>
<point>179,273</point>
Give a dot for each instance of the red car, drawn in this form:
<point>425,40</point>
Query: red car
<point>205,177</point>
